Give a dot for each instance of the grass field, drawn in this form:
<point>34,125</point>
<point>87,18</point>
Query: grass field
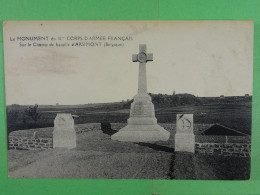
<point>97,156</point>
<point>236,115</point>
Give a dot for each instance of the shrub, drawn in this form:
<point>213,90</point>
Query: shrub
<point>33,113</point>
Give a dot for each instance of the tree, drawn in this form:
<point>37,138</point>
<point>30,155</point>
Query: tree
<point>33,112</point>
<point>12,117</point>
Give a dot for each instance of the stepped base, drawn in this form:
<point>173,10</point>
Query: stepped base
<point>142,125</point>
<point>141,133</point>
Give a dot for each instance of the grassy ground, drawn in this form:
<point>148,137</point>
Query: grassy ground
<point>97,156</point>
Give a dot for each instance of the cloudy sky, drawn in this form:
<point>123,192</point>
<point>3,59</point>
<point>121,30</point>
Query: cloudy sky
<point>204,58</point>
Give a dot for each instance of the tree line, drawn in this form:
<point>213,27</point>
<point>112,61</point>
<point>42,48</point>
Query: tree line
<point>165,100</point>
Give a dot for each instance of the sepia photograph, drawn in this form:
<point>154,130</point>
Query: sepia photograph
<point>167,100</point>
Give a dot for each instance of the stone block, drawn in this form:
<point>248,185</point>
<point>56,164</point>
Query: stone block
<point>184,137</point>
<point>64,134</point>
<point>185,142</point>
<point>44,141</point>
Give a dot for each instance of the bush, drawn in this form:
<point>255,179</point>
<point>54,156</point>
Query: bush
<point>33,113</point>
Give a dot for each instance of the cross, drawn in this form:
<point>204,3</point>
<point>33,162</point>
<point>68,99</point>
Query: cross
<point>185,124</point>
<point>142,57</point>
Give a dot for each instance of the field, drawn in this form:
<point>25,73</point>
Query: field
<point>236,115</point>
<point>97,156</point>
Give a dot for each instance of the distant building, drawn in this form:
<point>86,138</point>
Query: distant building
<point>218,129</point>
<point>222,96</point>
<point>247,95</point>
<point>57,104</point>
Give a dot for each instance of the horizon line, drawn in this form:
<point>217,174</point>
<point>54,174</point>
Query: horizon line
<point>220,96</point>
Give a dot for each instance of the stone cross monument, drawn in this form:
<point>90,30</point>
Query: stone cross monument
<point>142,125</point>
<point>142,58</point>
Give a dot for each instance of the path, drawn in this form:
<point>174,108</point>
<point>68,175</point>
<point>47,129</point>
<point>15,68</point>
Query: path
<point>97,156</point>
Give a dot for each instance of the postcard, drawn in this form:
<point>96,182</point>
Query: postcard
<point>129,99</point>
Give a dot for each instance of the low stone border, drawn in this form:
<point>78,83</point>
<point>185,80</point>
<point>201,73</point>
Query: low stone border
<point>25,143</point>
<point>210,145</point>
<point>225,149</point>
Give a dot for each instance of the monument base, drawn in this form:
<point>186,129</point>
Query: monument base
<point>64,139</point>
<point>142,125</point>
<point>185,142</point>
<point>141,133</point>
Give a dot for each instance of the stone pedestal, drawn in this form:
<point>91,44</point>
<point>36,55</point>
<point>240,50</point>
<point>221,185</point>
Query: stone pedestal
<point>185,142</point>
<point>142,125</point>
<point>64,135</point>
<point>184,137</point>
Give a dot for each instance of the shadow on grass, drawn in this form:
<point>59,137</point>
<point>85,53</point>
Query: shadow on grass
<point>157,147</point>
<point>106,128</point>
<point>171,169</point>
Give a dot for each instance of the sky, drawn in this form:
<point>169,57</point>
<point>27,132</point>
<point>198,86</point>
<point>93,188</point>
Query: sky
<point>203,58</point>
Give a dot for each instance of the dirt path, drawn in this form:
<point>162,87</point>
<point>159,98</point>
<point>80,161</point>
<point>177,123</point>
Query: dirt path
<point>93,164</point>
<point>96,156</point>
